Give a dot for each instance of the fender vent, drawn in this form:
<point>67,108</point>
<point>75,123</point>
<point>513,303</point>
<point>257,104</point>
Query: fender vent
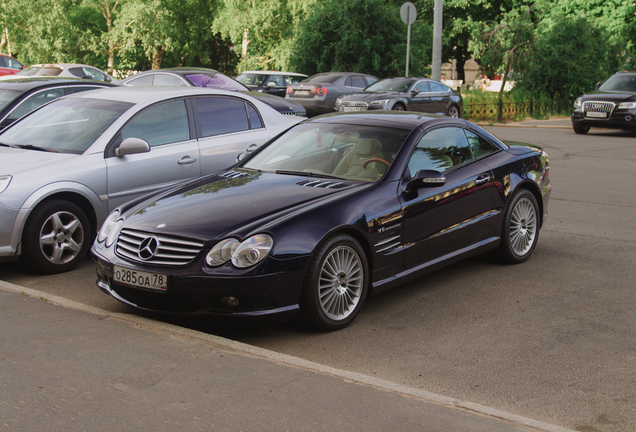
<point>234,174</point>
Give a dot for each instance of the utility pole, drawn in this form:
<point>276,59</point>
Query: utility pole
<point>437,40</point>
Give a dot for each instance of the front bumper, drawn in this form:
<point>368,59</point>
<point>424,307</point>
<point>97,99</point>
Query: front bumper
<point>624,119</point>
<point>9,243</point>
<point>195,292</point>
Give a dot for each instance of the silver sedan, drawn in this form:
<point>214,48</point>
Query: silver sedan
<point>65,166</point>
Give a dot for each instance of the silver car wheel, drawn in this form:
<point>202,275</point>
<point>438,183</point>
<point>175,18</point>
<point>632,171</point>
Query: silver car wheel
<point>61,237</point>
<point>523,226</point>
<point>453,111</point>
<point>340,283</point>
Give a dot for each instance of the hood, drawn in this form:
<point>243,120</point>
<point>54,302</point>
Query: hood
<point>233,203</point>
<point>15,161</point>
<point>610,96</point>
<point>371,96</point>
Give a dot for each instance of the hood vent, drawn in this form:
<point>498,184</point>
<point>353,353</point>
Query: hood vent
<point>234,174</point>
<point>325,184</point>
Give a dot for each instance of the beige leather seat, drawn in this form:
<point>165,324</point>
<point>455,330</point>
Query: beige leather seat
<point>363,150</point>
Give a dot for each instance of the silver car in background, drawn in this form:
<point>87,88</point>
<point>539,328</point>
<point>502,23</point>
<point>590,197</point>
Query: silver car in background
<point>65,166</point>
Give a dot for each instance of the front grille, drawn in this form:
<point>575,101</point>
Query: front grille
<point>356,104</point>
<point>598,110</point>
<point>157,249</point>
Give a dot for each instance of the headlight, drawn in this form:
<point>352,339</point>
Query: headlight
<point>242,255</point>
<point>221,252</point>
<point>623,105</point>
<point>380,102</point>
<point>4,182</point>
<point>577,103</point>
<point>108,228</point>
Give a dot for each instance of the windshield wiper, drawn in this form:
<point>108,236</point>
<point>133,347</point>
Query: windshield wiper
<point>304,173</point>
<point>32,147</point>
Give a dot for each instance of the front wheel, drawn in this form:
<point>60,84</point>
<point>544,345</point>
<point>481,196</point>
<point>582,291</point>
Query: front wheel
<point>398,107</point>
<point>56,237</point>
<point>579,129</point>
<point>520,230</point>
<point>335,286</point>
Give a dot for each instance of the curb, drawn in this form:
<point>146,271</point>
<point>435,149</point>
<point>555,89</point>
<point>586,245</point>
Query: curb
<point>245,349</point>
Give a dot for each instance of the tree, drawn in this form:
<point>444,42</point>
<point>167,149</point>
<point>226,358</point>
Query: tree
<point>359,36</point>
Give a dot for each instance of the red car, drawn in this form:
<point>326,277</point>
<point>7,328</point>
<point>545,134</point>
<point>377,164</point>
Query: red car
<point>9,65</point>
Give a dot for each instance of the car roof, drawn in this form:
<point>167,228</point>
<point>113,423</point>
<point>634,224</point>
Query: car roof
<point>273,73</point>
<point>401,120</point>
<point>62,65</point>
<point>150,94</point>
<point>24,83</point>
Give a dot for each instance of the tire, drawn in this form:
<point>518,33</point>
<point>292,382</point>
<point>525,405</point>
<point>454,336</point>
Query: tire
<point>581,130</point>
<point>453,111</point>
<point>398,107</point>
<point>335,285</point>
<point>520,230</point>
<point>56,237</point>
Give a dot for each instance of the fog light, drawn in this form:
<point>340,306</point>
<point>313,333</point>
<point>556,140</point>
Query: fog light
<point>230,301</point>
<point>628,118</point>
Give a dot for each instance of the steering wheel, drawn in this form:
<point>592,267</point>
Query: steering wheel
<point>368,161</point>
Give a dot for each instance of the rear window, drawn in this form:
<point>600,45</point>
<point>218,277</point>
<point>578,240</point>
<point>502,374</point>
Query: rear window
<point>48,71</point>
<point>323,79</point>
<point>215,81</point>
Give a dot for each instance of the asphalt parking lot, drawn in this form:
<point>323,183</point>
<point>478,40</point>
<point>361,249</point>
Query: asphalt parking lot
<point>552,339</point>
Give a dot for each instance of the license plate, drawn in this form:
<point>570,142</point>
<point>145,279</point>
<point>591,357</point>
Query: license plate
<point>349,109</point>
<point>301,93</point>
<point>136,278</point>
<point>596,114</point>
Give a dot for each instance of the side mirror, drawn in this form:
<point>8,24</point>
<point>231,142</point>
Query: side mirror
<point>132,145</point>
<point>271,84</point>
<point>415,91</point>
<point>247,152</point>
<point>426,178</point>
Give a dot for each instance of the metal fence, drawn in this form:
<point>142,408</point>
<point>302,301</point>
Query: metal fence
<point>513,110</point>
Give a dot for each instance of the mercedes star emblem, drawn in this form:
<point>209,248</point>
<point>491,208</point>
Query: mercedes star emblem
<point>148,248</point>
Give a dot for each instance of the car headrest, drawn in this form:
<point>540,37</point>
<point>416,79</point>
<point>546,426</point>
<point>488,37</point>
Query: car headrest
<point>366,146</point>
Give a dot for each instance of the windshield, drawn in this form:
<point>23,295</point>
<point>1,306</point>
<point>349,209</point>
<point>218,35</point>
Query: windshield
<point>251,79</point>
<point>393,84</point>
<point>40,71</point>
<point>323,78</point>
<point>215,81</point>
<point>620,83</point>
<point>6,96</point>
<point>65,125</point>
<point>354,152</point>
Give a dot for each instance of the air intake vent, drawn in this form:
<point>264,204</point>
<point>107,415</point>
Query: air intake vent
<point>325,184</point>
<point>234,174</point>
<point>156,249</point>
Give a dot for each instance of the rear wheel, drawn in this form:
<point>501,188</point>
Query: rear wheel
<point>579,129</point>
<point>453,111</point>
<point>520,230</point>
<point>56,237</point>
<point>335,286</point>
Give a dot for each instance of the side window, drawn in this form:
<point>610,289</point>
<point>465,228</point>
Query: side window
<point>478,145</point>
<point>36,100</point>
<point>255,119</point>
<point>439,150</point>
<point>145,80</point>
<point>422,86</point>
<point>2,62</point>
<point>77,72</point>
<point>94,74</point>
<point>160,124</point>
<point>13,64</point>
<point>168,80</point>
<point>358,81</point>
<point>276,79</point>
<point>437,87</point>
<point>221,115</point>
<point>348,82</point>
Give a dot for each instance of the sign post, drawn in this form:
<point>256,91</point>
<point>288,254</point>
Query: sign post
<point>408,13</point>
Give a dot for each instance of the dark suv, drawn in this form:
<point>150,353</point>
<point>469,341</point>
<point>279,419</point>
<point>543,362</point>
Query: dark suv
<point>612,105</point>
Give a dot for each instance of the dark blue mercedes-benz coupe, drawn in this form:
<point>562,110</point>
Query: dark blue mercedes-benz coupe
<point>333,210</point>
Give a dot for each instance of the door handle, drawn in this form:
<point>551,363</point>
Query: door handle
<point>483,178</point>
<point>187,160</point>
